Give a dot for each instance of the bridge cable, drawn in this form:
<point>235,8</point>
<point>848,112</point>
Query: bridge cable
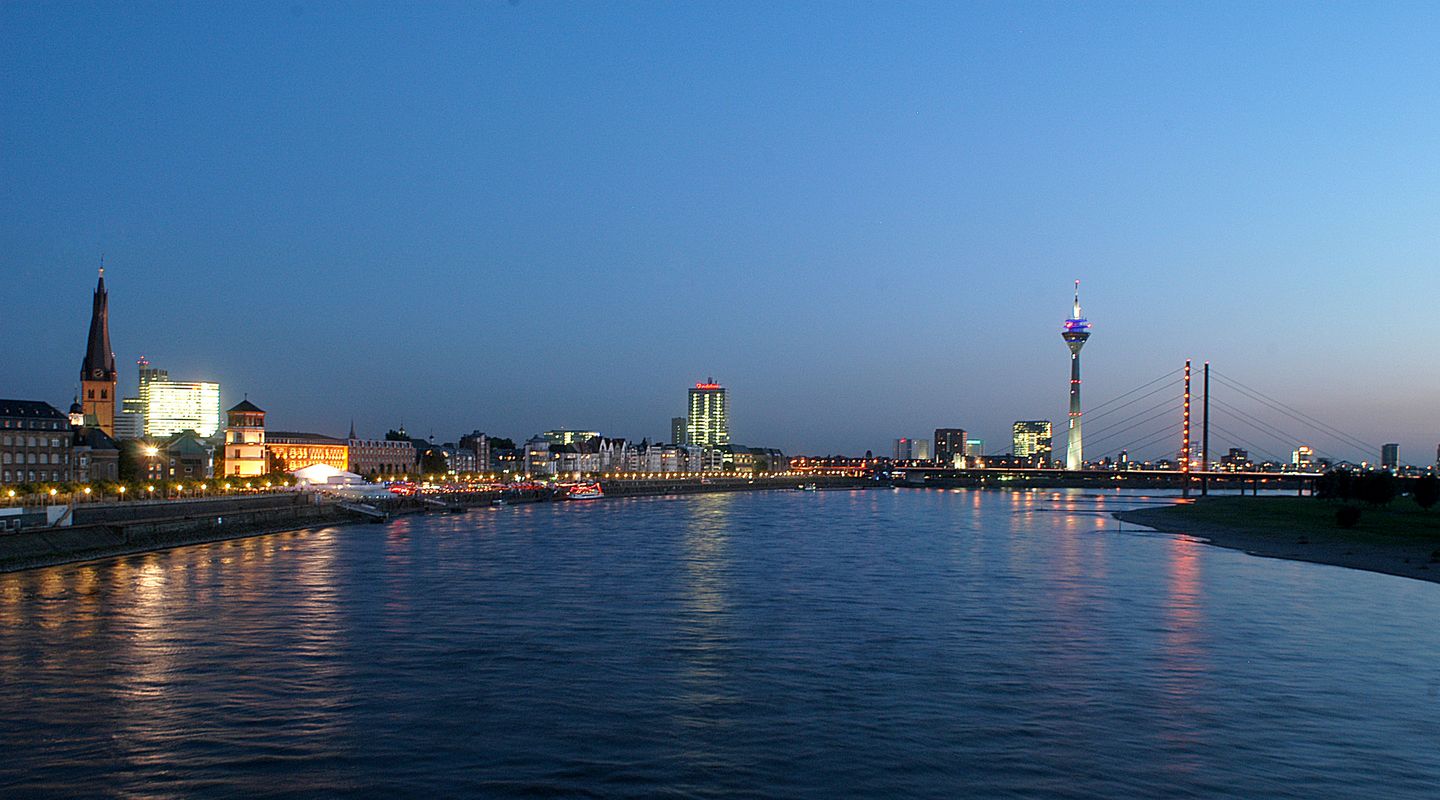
<point>1096,409</point>
<point>1296,414</point>
<point>1166,406</point>
<point>1091,415</point>
<point>1250,446</point>
<point>1265,428</point>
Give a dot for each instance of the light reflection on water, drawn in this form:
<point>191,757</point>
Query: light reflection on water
<point>920,643</point>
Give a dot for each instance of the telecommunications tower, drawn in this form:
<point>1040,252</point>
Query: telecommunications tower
<point>1075,331</point>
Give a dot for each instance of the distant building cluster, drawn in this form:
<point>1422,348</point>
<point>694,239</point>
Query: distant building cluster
<point>176,430</point>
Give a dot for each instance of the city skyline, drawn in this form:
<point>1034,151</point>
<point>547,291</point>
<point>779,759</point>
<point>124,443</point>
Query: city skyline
<point>227,270</point>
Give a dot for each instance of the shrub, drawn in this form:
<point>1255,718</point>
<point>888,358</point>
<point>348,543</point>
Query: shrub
<point>1347,516</point>
<point>1426,491</point>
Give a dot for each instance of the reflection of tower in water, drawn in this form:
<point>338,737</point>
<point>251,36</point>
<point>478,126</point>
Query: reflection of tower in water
<point>706,603</point>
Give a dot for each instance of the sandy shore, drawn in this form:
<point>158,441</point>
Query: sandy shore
<point>1408,556</point>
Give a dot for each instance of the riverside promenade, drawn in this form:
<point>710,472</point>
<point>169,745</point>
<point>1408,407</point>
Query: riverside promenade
<point>108,530</point>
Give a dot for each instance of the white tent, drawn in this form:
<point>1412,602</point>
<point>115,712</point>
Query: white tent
<point>325,475</point>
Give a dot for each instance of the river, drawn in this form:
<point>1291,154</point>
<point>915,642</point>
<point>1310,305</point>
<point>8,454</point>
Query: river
<point>775,644</point>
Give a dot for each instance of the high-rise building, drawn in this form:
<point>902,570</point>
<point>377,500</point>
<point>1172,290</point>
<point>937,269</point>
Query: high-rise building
<point>175,406</point>
<point>677,430</point>
<point>1390,456</point>
<point>920,449</point>
<point>1075,332</point>
<point>904,449</point>
<point>1032,440</point>
<point>131,422</point>
<point>950,446</point>
<point>97,372</point>
<point>708,424</point>
<point>1303,457</point>
<point>245,454</point>
<point>974,447</point>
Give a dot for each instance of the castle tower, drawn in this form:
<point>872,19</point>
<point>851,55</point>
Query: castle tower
<point>97,373</point>
<point>1075,331</point>
<point>245,453</point>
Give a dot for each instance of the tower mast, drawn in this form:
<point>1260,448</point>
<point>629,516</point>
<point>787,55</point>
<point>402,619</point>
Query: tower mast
<point>1075,332</point>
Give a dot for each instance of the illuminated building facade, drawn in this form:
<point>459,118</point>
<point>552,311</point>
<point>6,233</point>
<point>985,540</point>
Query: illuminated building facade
<point>97,373</point>
<point>245,454</point>
<point>677,430</point>
<point>569,437</point>
<point>291,450</point>
<point>34,442</point>
<point>131,422</point>
<point>1303,457</point>
<point>950,446</point>
<point>175,406</point>
<point>1032,441</point>
<point>708,424</point>
<point>1075,332</point>
<point>382,457</point>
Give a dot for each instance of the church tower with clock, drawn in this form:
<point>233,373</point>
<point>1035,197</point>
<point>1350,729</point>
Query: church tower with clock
<point>97,374</point>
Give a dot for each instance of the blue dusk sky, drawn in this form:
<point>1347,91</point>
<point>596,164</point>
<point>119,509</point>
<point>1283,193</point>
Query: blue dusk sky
<point>863,218</point>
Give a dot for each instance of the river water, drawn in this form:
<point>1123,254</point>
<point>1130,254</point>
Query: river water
<point>785,644</point>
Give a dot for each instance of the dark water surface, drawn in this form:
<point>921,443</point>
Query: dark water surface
<point>915,643</point>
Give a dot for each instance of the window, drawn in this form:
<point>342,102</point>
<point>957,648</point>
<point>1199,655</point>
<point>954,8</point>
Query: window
<point>89,394</point>
<point>44,458</point>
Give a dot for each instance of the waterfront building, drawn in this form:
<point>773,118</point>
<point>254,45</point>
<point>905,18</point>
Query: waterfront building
<point>94,456</point>
<point>708,423</point>
<point>974,447</point>
<point>383,458</point>
<point>479,444</point>
<point>737,458</point>
<point>458,459</point>
<point>920,448</point>
<point>1075,331</point>
<point>1390,456</point>
<point>537,459</point>
<point>245,455</point>
<point>563,436</point>
<point>188,457</point>
<point>292,450</point>
<point>175,406</point>
<point>34,442</point>
<point>98,377</point>
<point>1032,441</point>
<point>950,446</point>
<point>677,430</point>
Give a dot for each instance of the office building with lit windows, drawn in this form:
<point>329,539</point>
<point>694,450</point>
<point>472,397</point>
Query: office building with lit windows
<point>175,406</point>
<point>708,424</point>
<point>1032,441</point>
<point>950,446</point>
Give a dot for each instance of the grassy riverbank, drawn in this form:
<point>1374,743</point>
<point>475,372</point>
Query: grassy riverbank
<point>1401,539</point>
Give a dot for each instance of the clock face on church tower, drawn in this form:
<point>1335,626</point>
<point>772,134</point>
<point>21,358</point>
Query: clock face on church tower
<point>97,373</point>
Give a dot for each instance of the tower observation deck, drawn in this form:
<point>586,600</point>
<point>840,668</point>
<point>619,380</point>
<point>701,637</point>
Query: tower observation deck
<point>1075,332</point>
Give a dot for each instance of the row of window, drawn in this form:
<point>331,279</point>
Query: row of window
<point>44,458</point>
<point>45,425</point>
<point>32,476</point>
<point>30,441</point>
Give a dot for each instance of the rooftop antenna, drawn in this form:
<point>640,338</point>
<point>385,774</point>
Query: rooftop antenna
<point>1077,299</point>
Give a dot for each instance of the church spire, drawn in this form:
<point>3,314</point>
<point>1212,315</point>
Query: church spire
<point>99,364</point>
